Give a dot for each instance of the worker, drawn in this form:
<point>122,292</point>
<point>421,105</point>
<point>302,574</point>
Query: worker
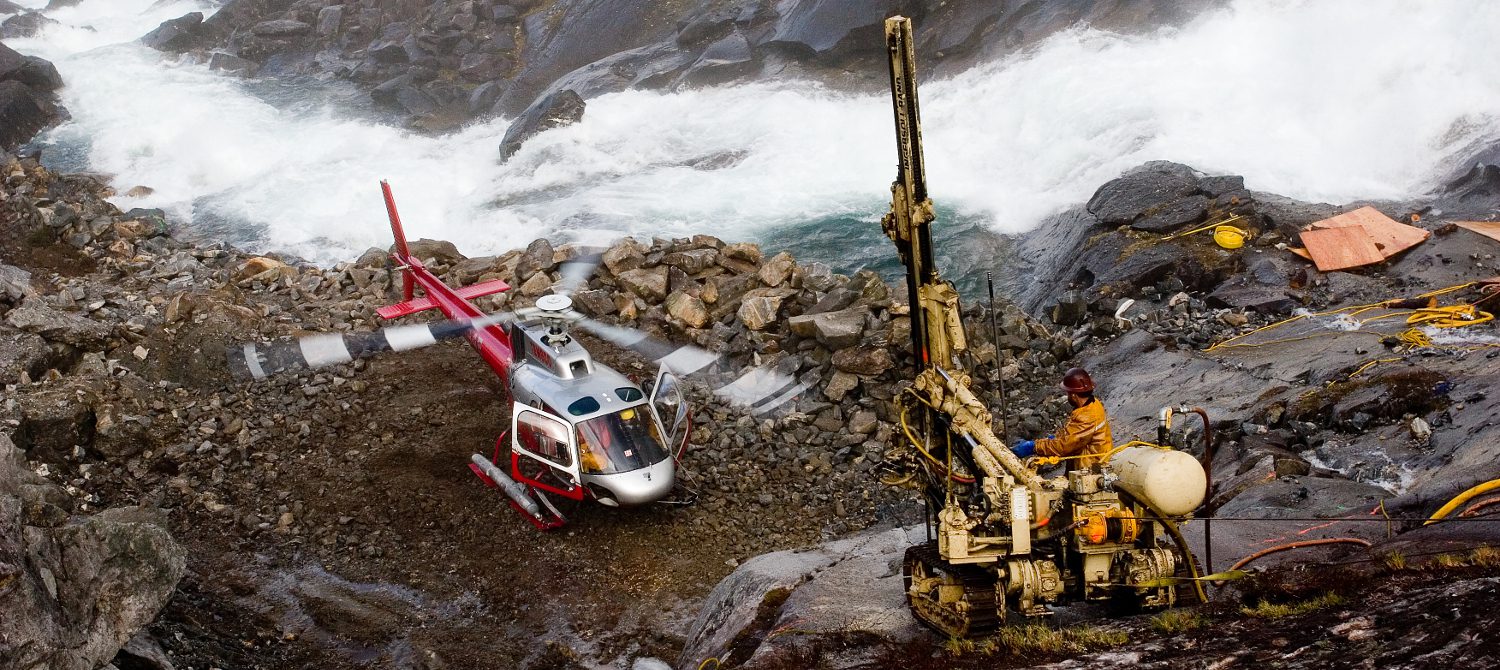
<point>1087,429</point>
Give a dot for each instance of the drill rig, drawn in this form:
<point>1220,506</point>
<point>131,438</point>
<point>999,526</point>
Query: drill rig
<point>1002,537</point>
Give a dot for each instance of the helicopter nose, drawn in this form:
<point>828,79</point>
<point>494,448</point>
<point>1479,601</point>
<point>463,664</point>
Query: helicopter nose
<point>641,486</point>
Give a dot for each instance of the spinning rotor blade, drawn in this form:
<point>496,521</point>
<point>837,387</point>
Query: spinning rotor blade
<point>760,389</point>
<point>574,274</point>
<point>258,360</point>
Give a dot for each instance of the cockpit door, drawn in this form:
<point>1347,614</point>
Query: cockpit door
<point>547,438</point>
<point>667,400</point>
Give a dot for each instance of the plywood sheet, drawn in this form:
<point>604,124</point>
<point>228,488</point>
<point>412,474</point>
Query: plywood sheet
<point>1341,248</point>
<point>1390,236</point>
<point>1490,229</point>
<point>1300,252</point>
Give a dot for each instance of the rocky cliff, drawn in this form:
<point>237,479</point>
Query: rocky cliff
<point>440,63</point>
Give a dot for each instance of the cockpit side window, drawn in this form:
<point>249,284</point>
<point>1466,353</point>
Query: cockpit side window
<point>543,437</point>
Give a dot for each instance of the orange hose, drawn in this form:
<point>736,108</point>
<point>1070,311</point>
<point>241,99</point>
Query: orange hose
<point>1471,509</point>
<point>1298,545</point>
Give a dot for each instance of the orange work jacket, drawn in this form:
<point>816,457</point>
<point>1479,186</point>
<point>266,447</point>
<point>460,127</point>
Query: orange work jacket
<point>1086,432</point>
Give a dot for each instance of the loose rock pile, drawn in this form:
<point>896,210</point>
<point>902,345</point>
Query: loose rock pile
<point>111,341</point>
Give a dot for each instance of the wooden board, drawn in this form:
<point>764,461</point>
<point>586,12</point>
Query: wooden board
<point>1390,236</point>
<point>1300,252</point>
<point>1490,229</point>
<point>1341,248</point>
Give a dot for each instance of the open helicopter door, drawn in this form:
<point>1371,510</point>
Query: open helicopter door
<point>671,409</point>
<point>544,459</point>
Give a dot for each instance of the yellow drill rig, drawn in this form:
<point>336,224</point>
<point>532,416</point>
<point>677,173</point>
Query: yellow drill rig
<point>1001,537</point>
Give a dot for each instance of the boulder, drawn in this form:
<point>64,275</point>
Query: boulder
<point>687,309</point>
<point>648,283</point>
<point>839,385</point>
<point>778,269</point>
<point>479,66</point>
<point>1173,216</point>
<point>559,109</point>
<point>624,255</point>
<point>759,308</point>
<point>15,284</point>
<point>10,62</point>
<point>1239,293</point>
<point>1217,186</point>
<point>538,258</point>
<point>865,361</point>
<point>837,299</point>
<point>1149,187</point>
<point>692,261</point>
<point>836,330</point>
<point>176,35</point>
<point>279,28</point>
<point>747,252</point>
<point>22,114</point>
<point>442,251</point>
<point>329,19</point>
<point>594,302</point>
<point>37,317</point>
<point>1070,310</point>
<point>73,593</point>
<point>22,352</point>
<point>843,587</point>
<point>24,25</point>
<point>41,75</point>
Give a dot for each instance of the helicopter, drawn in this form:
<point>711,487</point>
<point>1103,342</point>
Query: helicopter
<point>579,430</point>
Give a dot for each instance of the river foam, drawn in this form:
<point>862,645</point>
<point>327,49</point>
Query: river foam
<point>1332,100</point>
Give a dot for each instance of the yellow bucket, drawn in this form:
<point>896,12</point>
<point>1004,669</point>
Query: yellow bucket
<point>1229,237</point>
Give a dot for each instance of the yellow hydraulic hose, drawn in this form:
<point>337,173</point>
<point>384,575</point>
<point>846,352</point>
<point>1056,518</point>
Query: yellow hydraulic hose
<point>1182,545</point>
<point>1462,498</point>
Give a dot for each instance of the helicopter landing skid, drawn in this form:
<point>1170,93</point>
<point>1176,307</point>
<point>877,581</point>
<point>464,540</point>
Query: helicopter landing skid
<point>544,516</point>
<point>681,497</point>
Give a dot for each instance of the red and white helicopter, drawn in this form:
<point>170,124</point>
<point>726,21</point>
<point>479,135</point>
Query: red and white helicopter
<point>579,429</point>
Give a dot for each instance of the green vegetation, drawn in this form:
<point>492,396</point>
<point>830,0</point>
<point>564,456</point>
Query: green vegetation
<point>1485,557</point>
<point>1178,621</point>
<point>1270,610</point>
<point>1040,639</point>
<point>1394,560</point>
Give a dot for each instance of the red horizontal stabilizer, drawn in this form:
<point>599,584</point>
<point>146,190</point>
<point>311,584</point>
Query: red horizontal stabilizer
<point>420,304</point>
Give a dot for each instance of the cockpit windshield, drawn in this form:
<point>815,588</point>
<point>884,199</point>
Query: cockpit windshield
<point>620,442</point>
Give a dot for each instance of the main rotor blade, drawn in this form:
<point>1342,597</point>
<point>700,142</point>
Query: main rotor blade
<point>759,389</point>
<point>574,274</point>
<point>258,360</point>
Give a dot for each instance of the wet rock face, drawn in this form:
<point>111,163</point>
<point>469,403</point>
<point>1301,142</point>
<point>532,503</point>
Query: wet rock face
<point>26,24</point>
<point>554,111</point>
<point>505,57</point>
<point>176,35</point>
<point>74,593</point>
<point>27,101</point>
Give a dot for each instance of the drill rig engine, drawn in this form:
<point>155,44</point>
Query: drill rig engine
<point>1002,537</point>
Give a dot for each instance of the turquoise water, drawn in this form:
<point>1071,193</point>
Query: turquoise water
<point>965,249</point>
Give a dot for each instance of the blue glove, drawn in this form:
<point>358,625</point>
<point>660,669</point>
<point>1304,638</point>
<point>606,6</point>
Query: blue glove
<point>1024,448</point>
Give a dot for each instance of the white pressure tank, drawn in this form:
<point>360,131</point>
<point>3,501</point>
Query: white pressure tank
<point>1170,481</point>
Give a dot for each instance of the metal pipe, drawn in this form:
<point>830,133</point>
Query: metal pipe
<point>513,489</point>
<point>1208,484</point>
<point>989,278</point>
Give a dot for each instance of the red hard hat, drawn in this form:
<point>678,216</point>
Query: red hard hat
<point>1075,380</point>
